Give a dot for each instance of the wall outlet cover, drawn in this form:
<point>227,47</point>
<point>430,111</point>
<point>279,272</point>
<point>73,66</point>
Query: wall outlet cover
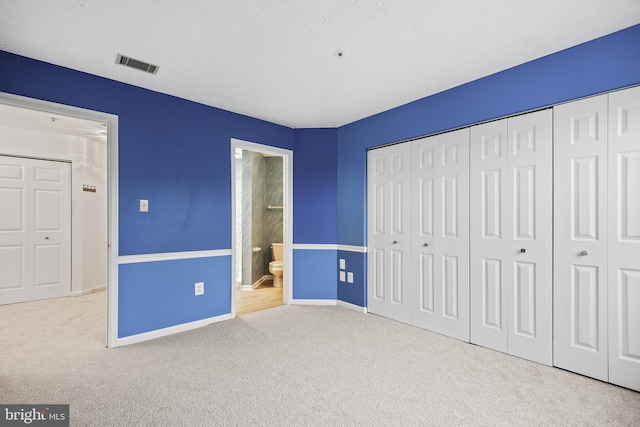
<point>350,277</point>
<point>199,288</point>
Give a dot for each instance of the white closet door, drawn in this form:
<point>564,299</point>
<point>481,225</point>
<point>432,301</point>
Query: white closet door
<point>35,229</point>
<point>491,240</point>
<point>624,238</point>
<point>580,237</point>
<point>388,269</point>
<point>14,230</point>
<point>511,236</point>
<point>50,217</point>
<point>440,233</point>
<point>530,221</point>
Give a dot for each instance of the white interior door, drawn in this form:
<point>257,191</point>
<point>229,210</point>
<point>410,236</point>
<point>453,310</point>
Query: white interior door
<point>50,233</point>
<point>624,238</point>
<point>440,233</point>
<point>530,263</point>
<point>580,238</point>
<point>491,241</point>
<point>388,269</point>
<point>35,229</point>
<point>14,230</point>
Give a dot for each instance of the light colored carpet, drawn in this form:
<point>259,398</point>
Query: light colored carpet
<point>290,365</point>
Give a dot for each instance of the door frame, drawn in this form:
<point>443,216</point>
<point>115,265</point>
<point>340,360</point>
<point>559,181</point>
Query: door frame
<point>112,191</point>
<point>287,231</point>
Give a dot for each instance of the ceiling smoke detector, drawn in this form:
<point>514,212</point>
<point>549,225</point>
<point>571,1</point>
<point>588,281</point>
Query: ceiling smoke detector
<point>137,64</point>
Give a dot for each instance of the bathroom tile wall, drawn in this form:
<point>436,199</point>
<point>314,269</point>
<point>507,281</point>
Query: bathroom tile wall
<point>273,218</point>
<point>246,218</point>
<point>239,222</point>
<point>258,208</point>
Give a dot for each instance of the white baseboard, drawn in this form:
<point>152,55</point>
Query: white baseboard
<point>313,301</point>
<point>132,339</point>
<point>352,306</point>
<point>87,291</point>
<point>257,283</point>
<point>329,302</point>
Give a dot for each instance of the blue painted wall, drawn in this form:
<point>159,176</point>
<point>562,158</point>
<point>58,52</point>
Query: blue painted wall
<point>173,152</point>
<point>314,208</point>
<point>354,293</point>
<point>600,65</point>
<point>314,274</point>
<point>160,294</point>
<point>315,186</point>
<point>176,154</point>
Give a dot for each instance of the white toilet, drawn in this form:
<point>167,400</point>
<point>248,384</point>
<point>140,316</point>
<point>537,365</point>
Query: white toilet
<point>276,266</point>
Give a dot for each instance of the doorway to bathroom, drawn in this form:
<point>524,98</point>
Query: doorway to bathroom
<point>262,226</point>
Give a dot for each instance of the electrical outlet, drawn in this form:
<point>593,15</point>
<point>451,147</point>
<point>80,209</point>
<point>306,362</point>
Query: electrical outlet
<point>199,288</point>
<point>144,205</point>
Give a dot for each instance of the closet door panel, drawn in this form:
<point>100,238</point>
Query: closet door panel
<point>580,238</point>
<point>425,178</point>
<point>388,272</point>
<point>624,238</point>
<point>452,235</point>
<point>488,246</point>
<point>529,261</point>
<point>440,242</point>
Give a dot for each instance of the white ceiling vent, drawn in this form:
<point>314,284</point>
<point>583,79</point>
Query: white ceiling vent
<point>137,64</point>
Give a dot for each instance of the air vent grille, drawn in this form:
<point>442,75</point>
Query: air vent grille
<point>137,64</point>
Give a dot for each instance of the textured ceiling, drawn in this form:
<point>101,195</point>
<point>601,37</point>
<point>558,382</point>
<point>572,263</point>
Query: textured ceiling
<point>275,59</point>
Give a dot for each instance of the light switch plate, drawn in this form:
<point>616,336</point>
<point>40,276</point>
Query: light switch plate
<point>144,205</point>
<point>350,277</point>
<point>342,276</point>
<point>343,264</point>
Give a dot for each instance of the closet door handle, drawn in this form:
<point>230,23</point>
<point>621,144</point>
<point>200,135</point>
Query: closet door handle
<point>583,253</point>
<point>395,242</point>
<point>46,238</point>
<point>523,250</point>
<point>425,244</point>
